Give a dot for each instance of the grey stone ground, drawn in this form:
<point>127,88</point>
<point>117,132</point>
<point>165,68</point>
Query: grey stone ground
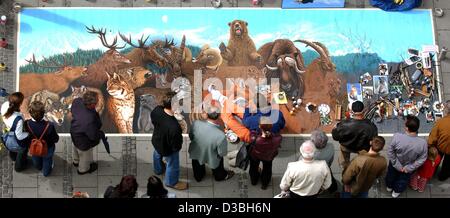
<point>132,155</point>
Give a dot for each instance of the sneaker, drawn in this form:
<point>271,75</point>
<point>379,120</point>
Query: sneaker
<point>75,164</point>
<point>395,194</point>
<point>388,189</point>
<point>179,186</point>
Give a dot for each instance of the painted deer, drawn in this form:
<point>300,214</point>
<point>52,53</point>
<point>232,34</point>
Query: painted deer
<point>142,54</point>
<point>111,60</point>
<point>56,82</point>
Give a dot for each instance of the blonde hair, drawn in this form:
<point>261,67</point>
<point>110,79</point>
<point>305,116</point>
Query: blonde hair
<point>432,154</point>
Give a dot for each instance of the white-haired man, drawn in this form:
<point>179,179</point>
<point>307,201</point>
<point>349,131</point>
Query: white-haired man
<point>307,177</point>
<point>440,138</point>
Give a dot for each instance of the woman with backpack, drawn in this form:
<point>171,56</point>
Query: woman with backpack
<point>43,138</point>
<point>14,123</point>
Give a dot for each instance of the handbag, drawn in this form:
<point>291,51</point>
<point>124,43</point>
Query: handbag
<point>38,146</point>
<point>243,155</point>
<point>9,138</point>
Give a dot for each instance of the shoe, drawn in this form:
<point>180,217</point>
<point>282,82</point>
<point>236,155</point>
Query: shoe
<point>93,167</point>
<point>395,194</point>
<point>229,175</point>
<point>388,189</point>
<point>179,186</point>
<point>75,164</point>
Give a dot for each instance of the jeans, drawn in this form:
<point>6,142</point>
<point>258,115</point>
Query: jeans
<point>44,163</point>
<point>397,180</point>
<point>266,173</point>
<point>20,159</point>
<point>172,169</point>
<point>199,171</point>
<point>349,195</point>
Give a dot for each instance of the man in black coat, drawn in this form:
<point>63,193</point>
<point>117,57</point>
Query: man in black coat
<point>85,132</point>
<point>354,134</point>
<point>167,140</point>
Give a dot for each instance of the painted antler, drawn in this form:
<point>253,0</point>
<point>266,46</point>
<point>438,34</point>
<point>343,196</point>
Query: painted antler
<point>51,63</point>
<point>102,35</point>
<point>141,42</point>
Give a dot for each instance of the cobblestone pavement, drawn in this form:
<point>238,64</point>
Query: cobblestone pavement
<point>133,155</point>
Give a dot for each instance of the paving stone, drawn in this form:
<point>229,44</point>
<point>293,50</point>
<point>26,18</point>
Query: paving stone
<point>110,165</point>
<point>288,144</point>
<point>25,193</point>
<point>231,186</point>
<point>115,144</point>
<point>415,194</point>
<point>144,3</point>
<point>25,179</point>
<point>443,37</point>
<point>255,191</point>
<point>144,152</point>
<point>440,188</point>
<point>105,181</point>
<point>200,192</point>
<point>50,187</point>
<point>195,3</point>
<point>171,3</point>
<point>89,180</point>
<point>95,3</point>
<point>447,97</point>
<point>446,80</point>
<point>144,171</point>
<point>52,3</point>
<point>179,194</point>
<point>59,162</point>
<point>442,4</point>
<point>28,3</point>
<point>427,4</point>
<point>281,161</point>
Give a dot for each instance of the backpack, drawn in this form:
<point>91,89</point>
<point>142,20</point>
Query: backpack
<point>9,138</point>
<point>38,146</point>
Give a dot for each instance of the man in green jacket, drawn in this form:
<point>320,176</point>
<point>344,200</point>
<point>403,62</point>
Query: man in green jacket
<point>208,146</point>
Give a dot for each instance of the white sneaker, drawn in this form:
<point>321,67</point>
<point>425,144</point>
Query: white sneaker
<point>395,194</point>
<point>388,189</point>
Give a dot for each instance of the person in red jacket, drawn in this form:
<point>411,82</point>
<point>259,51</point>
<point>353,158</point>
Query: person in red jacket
<point>420,178</point>
<point>265,149</point>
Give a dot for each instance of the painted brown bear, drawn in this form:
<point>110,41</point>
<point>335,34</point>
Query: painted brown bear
<point>241,50</point>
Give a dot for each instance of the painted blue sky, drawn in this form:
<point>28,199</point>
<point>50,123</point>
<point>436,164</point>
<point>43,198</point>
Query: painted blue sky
<point>47,31</point>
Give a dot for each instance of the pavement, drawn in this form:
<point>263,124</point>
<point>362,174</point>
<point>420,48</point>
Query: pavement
<point>133,155</point>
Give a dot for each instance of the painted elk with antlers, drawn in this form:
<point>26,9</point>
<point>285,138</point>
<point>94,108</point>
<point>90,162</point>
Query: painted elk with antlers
<point>56,82</point>
<point>143,54</point>
<point>111,60</point>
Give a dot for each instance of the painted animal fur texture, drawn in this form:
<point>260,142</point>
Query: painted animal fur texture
<point>121,103</point>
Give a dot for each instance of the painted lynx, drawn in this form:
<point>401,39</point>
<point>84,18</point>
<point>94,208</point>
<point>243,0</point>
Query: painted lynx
<point>121,103</point>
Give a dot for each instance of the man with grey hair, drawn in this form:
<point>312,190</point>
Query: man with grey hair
<point>85,132</point>
<point>440,138</point>
<point>208,146</point>
<point>325,151</point>
<point>307,177</point>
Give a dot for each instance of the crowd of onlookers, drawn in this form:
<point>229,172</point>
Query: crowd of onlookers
<point>411,160</point>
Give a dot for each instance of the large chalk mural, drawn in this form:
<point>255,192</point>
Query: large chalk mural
<point>131,57</point>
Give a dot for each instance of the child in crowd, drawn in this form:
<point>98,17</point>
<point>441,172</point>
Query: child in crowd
<point>420,178</point>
